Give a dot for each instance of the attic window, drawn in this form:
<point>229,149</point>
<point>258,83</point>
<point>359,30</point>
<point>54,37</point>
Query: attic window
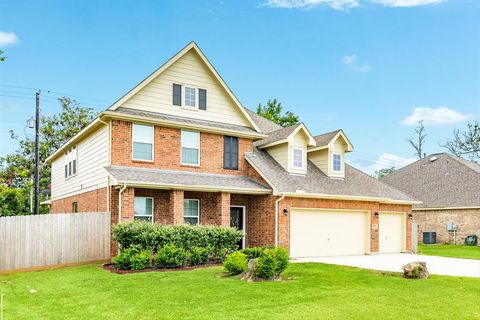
<point>337,162</point>
<point>190,97</point>
<point>297,158</point>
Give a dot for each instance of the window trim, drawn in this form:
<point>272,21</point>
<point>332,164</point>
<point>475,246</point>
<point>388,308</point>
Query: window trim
<point>184,92</point>
<point>199,149</point>
<point>333,162</point>
<point>292,158</point>
<point>153,142</point>
<point>66,165</point>
<point>143,215</point>
<point>198,210</point>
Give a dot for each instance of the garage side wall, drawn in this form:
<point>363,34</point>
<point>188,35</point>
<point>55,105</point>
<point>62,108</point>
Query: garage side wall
<point>467,221</point>
<point>372,207</point>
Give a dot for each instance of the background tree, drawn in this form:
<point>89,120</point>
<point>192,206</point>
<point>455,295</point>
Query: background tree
<point>2,57</point>
<point>17,169</point>
<point>418,141</point>
<point>383,172</point>
<point>466,143</point>
<point>273,112</point>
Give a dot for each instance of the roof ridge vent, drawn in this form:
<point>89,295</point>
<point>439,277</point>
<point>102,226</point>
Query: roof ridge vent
<point>433,159</point>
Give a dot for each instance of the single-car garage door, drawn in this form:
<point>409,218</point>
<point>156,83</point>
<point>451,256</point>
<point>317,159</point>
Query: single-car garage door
<point>316,233</point>
<point>391,227</point>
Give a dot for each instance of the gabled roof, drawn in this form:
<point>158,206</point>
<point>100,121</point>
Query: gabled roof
<point>440,181</point>
<point>265,125</point>
<point>191,46</point>
<point>185,180</point>
<point>356,185</point>
<point>325,140</point>
<point>282,136</point>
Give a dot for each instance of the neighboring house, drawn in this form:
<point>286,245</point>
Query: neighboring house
<point>449,188</point>
<point>180,148</point>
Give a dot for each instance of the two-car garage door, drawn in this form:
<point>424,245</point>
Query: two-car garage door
<point>315,233</point>
<point>320,232</point>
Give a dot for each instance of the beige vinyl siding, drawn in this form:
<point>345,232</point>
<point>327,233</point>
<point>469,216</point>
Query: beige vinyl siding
<point>300,139</point>
<point>92,157</point>
<point>188,70</point>
<point>320,159</point>
<point>280,153</point>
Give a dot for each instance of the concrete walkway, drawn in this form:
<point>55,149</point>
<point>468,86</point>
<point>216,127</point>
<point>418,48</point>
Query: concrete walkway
<point>395,261</point>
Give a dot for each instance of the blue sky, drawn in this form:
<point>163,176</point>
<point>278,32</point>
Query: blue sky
<point>371,67</point>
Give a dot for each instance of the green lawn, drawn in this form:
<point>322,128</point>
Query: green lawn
<point>313,291</point>
<point>446,250</point>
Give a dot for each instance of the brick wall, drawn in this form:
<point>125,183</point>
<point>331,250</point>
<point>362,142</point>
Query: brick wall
<point>95,200</point>
<point>467,221</point>
<point>167,152</point>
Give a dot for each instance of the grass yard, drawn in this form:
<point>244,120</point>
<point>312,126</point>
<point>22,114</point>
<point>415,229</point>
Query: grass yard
<point>314,291</point>
<point>447,250</point>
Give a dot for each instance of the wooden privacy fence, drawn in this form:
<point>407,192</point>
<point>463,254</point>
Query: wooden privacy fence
<point>52,239</point>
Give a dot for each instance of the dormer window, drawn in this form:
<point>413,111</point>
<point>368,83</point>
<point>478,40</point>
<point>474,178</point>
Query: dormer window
<point>297,158</point>
<point>337,162</point>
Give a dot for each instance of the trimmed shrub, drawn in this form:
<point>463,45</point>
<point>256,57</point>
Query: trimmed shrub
<point>254,252</point>
<point>171,256</point>
<point>235,263</point>
<point>281,255</point>
<point>133,258</point>
<point>222,240</point>
<point>198,255</point>
<point>266,265</point>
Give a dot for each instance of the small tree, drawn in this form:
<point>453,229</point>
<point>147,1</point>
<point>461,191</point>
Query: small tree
<point>383,172</point>
<point>2,57</point>
<point>273,111</point>
<point>418,141</point>
<point>465,143</point>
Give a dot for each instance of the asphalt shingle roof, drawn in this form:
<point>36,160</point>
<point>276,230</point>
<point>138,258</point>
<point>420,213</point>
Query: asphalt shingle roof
<point>355,183</point>
<point>167,117</point>
<point>265,125</point>
<point>324,139</point>
<point>183,178</point>
<point>448,181</point>
<point>277,135</point>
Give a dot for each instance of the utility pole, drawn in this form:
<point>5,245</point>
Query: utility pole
<point>37,153</point>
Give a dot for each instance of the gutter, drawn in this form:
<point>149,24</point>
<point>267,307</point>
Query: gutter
<point>276,217</point>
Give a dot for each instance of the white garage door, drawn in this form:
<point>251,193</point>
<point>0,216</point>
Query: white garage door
<point>316,233</point>
<point>391,232</point>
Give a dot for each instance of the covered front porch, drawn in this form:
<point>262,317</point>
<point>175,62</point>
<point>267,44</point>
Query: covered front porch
<point>252,213</point>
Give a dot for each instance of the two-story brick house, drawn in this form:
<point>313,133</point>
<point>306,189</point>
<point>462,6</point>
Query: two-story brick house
<point>180,148</point>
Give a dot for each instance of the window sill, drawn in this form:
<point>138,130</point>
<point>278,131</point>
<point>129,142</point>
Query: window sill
<point>143,161</point>
<point>190,165</point>
<point>71,177</point>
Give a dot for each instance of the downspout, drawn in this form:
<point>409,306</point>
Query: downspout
<point>120,201</point>
<point>276,217</point>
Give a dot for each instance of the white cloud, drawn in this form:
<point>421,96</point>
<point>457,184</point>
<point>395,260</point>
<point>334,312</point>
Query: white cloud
<point>308,4</point>
<point>351,62</point>
<point>386,160</point>
<point>434,116</point>
<point>406,3</point>
<point>344,4</point>
<point>8,38</point>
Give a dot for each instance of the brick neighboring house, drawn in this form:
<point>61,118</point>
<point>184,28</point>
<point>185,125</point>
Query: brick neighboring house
<point>180,148</point>
<point>449,188</point>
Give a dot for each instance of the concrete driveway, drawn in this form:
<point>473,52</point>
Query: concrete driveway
<point>395,261</point>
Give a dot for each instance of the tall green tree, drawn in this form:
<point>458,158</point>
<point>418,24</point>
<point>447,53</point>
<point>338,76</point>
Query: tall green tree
<point>383,172</point>
<point>466,143</point>
<point>2,57</point>
<point>273,111</point>
<point>17,169</point>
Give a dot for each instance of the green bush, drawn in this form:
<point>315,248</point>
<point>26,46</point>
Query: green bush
<point>198,255</point>
<point>271,263</point>
<point>133,258</point>
<point>235,263</point>
<point>254,252</point>
<point>222,240</point>
<point>171,256</point>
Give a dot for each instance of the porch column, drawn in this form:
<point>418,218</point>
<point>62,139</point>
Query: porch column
<point>127,200</point>
<point>224,209</point>
<point>176,206</point>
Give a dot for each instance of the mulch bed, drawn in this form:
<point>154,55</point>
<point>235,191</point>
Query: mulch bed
<point>110,267</point>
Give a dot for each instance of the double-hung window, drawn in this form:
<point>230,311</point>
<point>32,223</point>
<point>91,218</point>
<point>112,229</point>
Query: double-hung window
<point>143,208</point>
<point>70,162</point>
<point>189,97</point>
<point>142,138</point>
<point>337,162</point>
<point>190,148</point>
<point>191,211</point>
<point>298,161</point>
<point>230,152</point>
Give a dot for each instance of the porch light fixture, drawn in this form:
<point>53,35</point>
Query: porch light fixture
<point>376,214</point>
<point>285,212</point>
<point>410,215</point>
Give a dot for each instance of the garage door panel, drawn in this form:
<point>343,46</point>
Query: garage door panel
<point>328,233</point>
<point>391,232</point>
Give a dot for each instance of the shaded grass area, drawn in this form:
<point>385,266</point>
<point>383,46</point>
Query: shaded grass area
<point>312,291</point>
<point>448,250</point>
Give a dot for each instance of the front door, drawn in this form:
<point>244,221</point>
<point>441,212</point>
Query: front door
<point>236,221</point>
